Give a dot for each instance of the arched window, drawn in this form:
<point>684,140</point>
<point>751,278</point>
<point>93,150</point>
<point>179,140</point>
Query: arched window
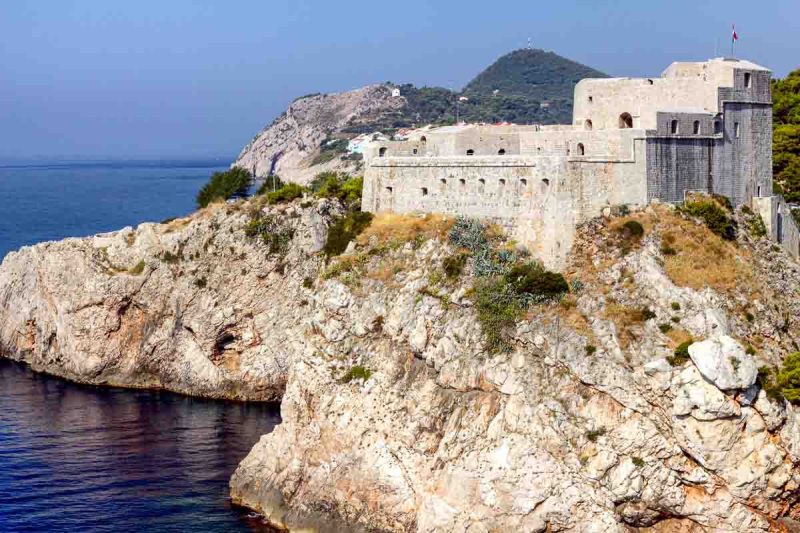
<point>673,127</point>
<point>523,182</point>
<point>748,80</point>
<point>696,127</point>
<point>423,140</point>
<point>581,149</point>
<point>443,184</point>
<point>462,182</point>
<point>625,121</point>
<point>382,152</point>
<point>546,181</point>
<point>470,152</point>
<point>717,127</point>
<point>501,151</point>
<point>587,124</point>
<point>424,191</point>
<point>389,190</point>
<point>502,183</point>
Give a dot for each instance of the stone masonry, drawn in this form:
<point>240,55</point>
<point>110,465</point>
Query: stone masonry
<point>700,127</point>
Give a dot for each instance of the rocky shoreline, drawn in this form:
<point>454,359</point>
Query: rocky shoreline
<point>395,415</point>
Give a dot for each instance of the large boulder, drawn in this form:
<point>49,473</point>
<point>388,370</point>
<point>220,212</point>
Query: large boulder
<point>723,361</point>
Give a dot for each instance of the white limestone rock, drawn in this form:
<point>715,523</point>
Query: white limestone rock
<point>723,361</point>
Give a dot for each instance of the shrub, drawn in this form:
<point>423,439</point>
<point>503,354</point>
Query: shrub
<point>788,378</point>
<point>594,434</point>
<point>356,372</point>
<point>498,309</point>
<point>271,232</point>
<point>749,316</point>
<point>637,462</point>
<point>308,283</point>
<point>681,354</point>
<point>340,186</point>
<point>225,185</point>
<point>647,314</point>
<point>668,250</point>
<point>137,269</point>
<point>201,283</point>
<point>765,381</point>
<point>170,258</point>
<point>632,229</point>
<point>713,216</point>
<point>533,283</point>
<point>590,349</point>
<point>665,327</point>
<point>286,193</point>
<point>675,306</point>
<point>756,226</point>
<point>453,265</point>
<point>344,230</point>
<point>272,183</point>
<point>750,350</point>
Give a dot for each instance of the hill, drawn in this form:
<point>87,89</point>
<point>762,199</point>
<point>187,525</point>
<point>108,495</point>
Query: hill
<point>532,73</point>
<point>534,87</point>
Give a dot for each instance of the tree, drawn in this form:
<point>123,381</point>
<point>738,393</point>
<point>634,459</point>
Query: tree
<point>224,185</point>
<point>786,132</point>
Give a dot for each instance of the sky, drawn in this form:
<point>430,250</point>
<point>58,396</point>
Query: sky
<point>199,78</point>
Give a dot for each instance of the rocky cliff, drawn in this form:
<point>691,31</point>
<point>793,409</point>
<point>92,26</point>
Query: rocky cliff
<point>289,145</point>
<point>396,417</point>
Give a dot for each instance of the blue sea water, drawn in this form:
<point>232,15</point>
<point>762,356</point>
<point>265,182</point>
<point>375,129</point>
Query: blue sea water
<point>78,458</point>
<point>49,200</point>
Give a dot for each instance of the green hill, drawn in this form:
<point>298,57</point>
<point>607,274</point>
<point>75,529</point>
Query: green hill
<point>532,73</point>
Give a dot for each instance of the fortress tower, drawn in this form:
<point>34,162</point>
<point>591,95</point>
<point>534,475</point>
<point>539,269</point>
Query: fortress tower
<point>704,126</point>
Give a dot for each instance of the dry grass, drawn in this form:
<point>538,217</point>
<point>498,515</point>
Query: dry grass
<point>569,314</point>
<point>626,319</point>
<point>702,258</point>
<point>678,336</point>
<point>394,228</point>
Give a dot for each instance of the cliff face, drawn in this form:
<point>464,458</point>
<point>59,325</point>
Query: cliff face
<point>289,145</point>
<point>396,417</point>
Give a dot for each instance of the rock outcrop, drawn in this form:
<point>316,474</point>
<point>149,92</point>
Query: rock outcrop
<point>288,146</point>
<point>395,417</point>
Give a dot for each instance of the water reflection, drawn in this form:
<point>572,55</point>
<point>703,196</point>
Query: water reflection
<point>75,457</point>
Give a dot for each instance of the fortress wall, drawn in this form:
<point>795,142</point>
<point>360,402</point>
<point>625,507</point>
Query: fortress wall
<point>779,222</point>
<point>609,145</point>
<point>538,200</point>
<point>642,100</point>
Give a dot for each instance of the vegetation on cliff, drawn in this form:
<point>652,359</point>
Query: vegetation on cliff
<point>786,142</point>
<point>222,186</point>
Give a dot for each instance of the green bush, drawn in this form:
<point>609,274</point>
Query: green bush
<point>594,434</point>
<point>137,269</point>
<point>286,193</point>
<point>344,230</point>
<point>498,309</point>
<point>633,230</point>
<point>453,265</point>
<point>271,183</point>
<point>638,462</point>
<point>340,186</point>
<point>714,216</point>
<point>356,372</point>
<point>224,185</point>
<point>532,282</point>
<point>308,283</point>
<point>665,328</point>
<point>788,378</point>
<point>681,354</point>
<point>590,349</point>
<point>271,232</point>
<point>675,306</point>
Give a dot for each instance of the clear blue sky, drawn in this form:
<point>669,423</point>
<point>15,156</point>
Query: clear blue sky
<point>200,77</point>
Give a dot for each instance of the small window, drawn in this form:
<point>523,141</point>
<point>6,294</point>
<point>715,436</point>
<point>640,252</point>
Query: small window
<point>748,80</point>
<point>673,127</point>
<point>591,99</point>
<point>759,191</point>
<point>423,140</point>
<point>382,152</point>
<point>443,182</point>
<point>501,151</point>
<point>581,149</point>
<point>546,181</point>
<point>736,130</point>
<point>587,125</point>
<point>523,182</point>
<point>424,191</point>
<point>414,151</point>
<point>502,182</point>
<point>696,127</point>
<point>717,127</point>
<point>650,82</point>
<point>482,181</point>
<point>389,191</point>
<point>470,152</point>
<point>462,182</point>
<point>625,121</point>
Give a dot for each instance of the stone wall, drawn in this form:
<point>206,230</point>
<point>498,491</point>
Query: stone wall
<point>779,222</point>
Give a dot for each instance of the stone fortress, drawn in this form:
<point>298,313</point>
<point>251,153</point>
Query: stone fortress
<point>700,127</point>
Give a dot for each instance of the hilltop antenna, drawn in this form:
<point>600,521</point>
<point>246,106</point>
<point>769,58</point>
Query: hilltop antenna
<point>530,44</point>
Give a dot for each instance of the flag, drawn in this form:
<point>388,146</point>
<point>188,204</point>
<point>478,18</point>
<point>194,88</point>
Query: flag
<point>734,36</point>
<point>463,99</point>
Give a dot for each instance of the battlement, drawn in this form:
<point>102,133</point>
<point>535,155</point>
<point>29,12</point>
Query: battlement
<point>703,126</point>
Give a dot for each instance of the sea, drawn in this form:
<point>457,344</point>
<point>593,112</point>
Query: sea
<point>81,458</point>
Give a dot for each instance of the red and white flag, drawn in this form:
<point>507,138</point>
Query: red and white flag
<point>734,36</point>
